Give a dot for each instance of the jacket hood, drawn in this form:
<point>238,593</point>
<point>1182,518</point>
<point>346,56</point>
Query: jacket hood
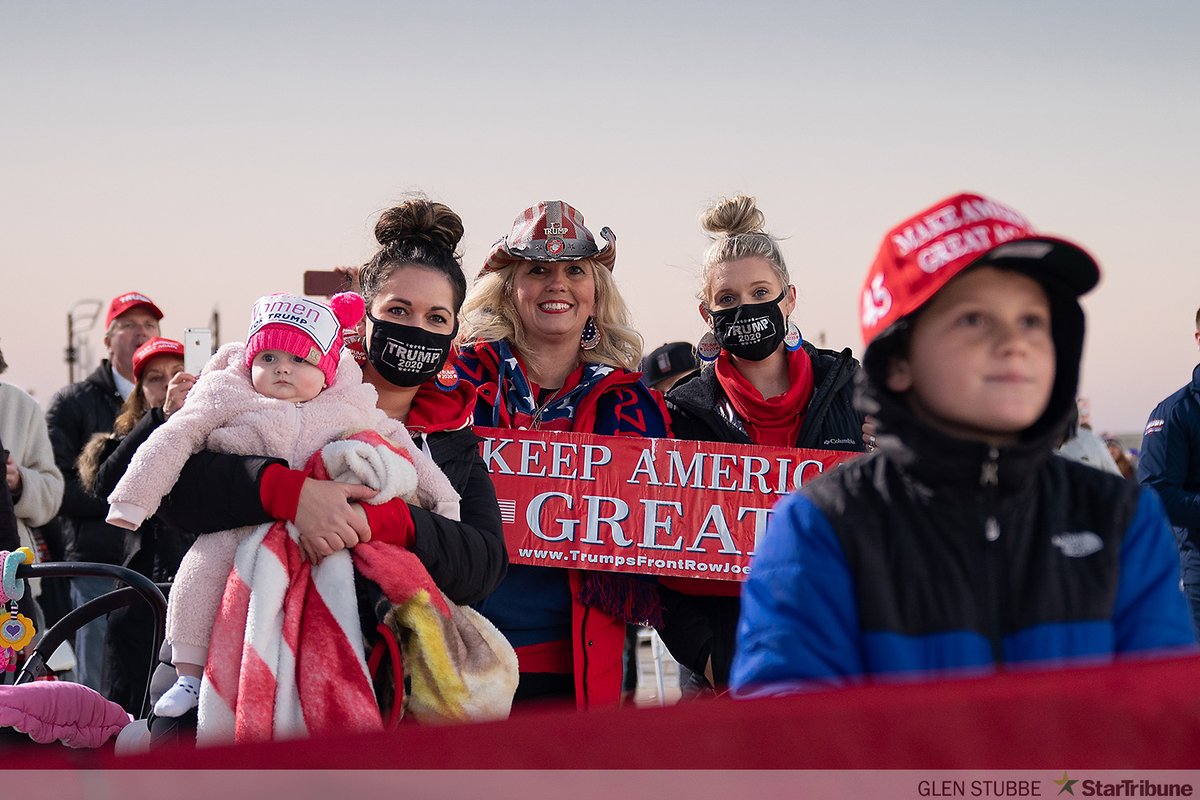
<point>895,419</point>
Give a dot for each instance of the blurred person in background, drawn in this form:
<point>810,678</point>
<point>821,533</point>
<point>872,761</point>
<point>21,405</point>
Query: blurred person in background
<point>665,366</point>
<point>32,481</point>
<point>155,550</point>
<point>1125,460</point>
<point>1170,463</point>
<point>1081,443</point>
<point>76,413</point>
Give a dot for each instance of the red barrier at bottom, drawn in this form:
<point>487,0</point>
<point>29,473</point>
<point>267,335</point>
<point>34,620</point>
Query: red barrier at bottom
<point>1137,715</point>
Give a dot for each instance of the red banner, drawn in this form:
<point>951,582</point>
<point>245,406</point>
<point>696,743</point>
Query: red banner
<point>654,506</point>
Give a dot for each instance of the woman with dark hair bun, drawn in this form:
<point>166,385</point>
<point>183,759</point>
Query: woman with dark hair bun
<point>413,287</point>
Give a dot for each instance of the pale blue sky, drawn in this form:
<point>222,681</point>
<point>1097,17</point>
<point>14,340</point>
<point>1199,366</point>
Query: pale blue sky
<point>209,154</point>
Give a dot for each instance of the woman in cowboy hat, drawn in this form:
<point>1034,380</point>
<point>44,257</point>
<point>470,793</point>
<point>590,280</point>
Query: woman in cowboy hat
<point>549,346</point>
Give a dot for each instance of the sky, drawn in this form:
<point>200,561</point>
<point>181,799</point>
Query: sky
<point>206,154</point>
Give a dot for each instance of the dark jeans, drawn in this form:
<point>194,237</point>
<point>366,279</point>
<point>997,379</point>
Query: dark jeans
<point>1192,591</point>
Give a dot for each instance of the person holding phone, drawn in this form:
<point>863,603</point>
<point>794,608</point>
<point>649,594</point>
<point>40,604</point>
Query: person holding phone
<point>160,387</point>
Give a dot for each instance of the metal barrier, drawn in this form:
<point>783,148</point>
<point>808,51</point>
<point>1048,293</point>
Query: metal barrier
<point>137,586</point>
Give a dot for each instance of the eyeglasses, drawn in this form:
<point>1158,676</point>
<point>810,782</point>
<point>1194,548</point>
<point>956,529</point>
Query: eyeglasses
<point>133,324</point>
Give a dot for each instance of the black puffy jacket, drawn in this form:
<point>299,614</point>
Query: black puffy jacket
<point>76,413</point>
<point>698,627</point>
<point>700,410</point>
<point>156,549</point>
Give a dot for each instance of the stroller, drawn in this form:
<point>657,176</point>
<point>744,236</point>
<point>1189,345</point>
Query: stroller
<point>47,711</point>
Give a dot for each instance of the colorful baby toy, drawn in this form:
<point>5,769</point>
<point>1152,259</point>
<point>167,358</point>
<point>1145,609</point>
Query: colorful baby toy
<point>16,630</point>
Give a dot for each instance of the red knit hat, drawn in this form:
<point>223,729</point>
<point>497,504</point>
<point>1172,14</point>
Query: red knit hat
<point>550,231</point>
<point>303,327</point>
<point>920,256</point>
<point>158,346</point>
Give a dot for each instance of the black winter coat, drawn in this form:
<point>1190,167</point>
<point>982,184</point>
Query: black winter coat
<point>701,412</point>
<point>76,413</point>
<point>701,629</point>
<point>156,549</point>
<point>467,559</point>
<point>10,538</point>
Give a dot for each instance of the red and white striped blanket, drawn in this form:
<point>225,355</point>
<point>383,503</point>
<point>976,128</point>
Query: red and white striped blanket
<point>286,657</point>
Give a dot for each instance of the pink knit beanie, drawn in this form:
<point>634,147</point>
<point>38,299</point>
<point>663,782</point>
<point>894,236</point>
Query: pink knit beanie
<point>303,327</point>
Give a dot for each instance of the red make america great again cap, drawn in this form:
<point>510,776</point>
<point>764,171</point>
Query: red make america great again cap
<point>124,302</point>
<point>920,256</point>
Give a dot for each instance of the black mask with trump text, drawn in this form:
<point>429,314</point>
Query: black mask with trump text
<point>407,355</point>
<point>752,331</point>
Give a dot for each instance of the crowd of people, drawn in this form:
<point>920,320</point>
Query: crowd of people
<point>956,541</point>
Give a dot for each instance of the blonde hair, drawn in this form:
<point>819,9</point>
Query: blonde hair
<point>490,315</point>
<point>736,226</point>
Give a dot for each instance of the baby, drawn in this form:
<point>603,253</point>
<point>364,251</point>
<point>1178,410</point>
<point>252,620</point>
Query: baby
<point>286,393</point>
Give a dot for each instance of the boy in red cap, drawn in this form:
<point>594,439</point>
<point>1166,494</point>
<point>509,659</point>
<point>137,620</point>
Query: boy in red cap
<point>963,542</point>
<point>288,392</point>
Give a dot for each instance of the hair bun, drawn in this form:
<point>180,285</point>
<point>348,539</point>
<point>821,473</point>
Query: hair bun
<point>348,307</point>
<point>731,216</point>
<point>419,221</point>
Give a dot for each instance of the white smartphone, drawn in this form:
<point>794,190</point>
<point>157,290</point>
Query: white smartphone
<point>197,349</point>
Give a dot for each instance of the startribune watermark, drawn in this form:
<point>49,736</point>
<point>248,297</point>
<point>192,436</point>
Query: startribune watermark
<point>1126,787</point>
<point>1065,785</point>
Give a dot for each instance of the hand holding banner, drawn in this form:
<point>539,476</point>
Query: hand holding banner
<point>651,506</point>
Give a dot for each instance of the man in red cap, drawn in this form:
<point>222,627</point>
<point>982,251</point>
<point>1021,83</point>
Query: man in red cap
<point>76,412</point>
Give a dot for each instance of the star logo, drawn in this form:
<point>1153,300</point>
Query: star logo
<point>1066,784</point>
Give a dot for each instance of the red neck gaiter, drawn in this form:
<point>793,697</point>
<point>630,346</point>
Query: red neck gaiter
<point>775,421</point>
<point>434,410</point>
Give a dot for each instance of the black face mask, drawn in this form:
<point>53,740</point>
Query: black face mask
<point>752,330</point>
<point>407,355</point>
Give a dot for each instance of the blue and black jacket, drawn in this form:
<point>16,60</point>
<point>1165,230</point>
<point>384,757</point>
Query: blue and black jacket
<point>938,556</point>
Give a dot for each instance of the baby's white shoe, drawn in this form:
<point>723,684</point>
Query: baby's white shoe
<point>181,698</point>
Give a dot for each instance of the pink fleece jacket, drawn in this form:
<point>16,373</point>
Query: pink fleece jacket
<point>224,413</point>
